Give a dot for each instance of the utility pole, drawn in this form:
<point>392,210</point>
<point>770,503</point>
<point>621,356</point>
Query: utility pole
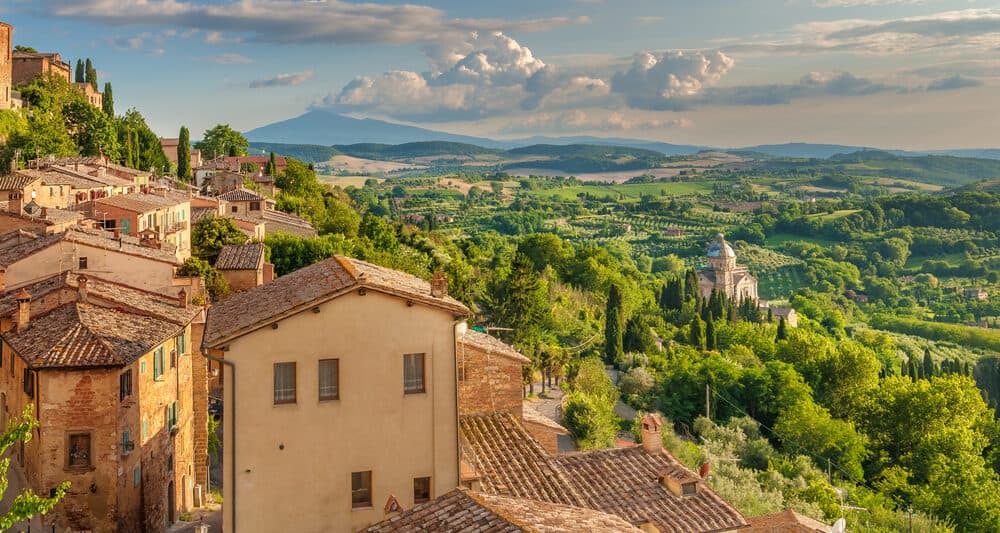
<point>708,406</point>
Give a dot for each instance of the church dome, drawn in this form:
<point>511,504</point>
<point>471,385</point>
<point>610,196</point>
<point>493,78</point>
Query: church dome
<point>720,248</point>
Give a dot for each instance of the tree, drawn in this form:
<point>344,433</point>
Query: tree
<point>696,337</point>
<point>782,329</point>
<point>710,342</point>
<point>80,76</point>
<point>272,166</point>
<point>216,284</point>
<point>614,326</point>
<point>211,234</point>
<point>23,48</point>
<point>928,366</point>
<point>523,304</point>
<point>91,74</point>
<point>108,102</point>
<point>184,154</point>
<point>26,504</point>
<point>222,140</point>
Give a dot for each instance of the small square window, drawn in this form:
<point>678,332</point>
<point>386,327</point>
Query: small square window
<point>413,373</point>
<point>284,383</point>
<point>361,489</point>
<point>78,451</point>
<point>421,489</point>
<point>83,263</point>
<point>142,366</point>
<point>235,209</point>
<point>329,379</point>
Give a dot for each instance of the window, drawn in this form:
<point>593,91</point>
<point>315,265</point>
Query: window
<point>255,206</point>
<point>413,373</point>
<point>29,383</point>
<point>145,429</point>
<point>361,489</point>
<point>12,364</point>
<point>329,376</point>
<point>182,343</point>
<point>284,383</point>
<point>421,489</point>
<point>83,263</point>
<point>235,209</point>
<point>125,385</point>
<point>78,452</point>
<point>142,366</point>
<point>172,414</point>
<point>135,477</point>
<point>170,463</point>
<point>173,358</point>
<point>158,363</point>
<point>127,444</point>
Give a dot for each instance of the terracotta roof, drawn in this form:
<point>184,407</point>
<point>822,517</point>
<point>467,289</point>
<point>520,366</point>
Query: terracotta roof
<point>531,414</point>
<point>787,522</point>
<point>199,213</point>
<point>461,511</point>
<point>492,345</point>
<point>625,482</point>
<point>240,257</point>
<point>81,334</point>
<point>241,195</point>
<point>622,481</point>
<point>292,293</point>
<point>510,462</point>
<point>90,237</point>
<point>18,180</point>
<point>141,202</point>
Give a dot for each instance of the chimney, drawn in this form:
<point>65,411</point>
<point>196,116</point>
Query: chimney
<point>3,279</point>
<point>23,310</point>
<point>182,299</point>
<point>652,433</point>
<point>439,285</point>
<point>102,171</point>
<point>679,486</point>
<point>14,203</point>
<point>45,212</point>
<point>81,283</point>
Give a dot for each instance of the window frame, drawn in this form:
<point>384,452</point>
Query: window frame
<point>365,475</point>
<point>125,385</point>
<point>158,364</point>
<point>29,383</point>
<point>336,376</point>
<point>82,262</point>
<point>407,389</point>
<point>295,388</point>
<point>429,494</point>
<point>90,450</point>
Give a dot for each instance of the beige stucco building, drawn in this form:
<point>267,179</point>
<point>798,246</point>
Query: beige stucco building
<point>724,275</point>
<point>340,392</point>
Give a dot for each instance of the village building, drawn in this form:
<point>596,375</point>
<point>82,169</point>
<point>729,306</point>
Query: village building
<point>464,511</point>
<point>374,363</point>
<point>787,521</point>
<point>223,181</point>
<point>673,232</point>
<point>29,65</point>
<point>108,370</point>
<point>6,66</point>
<point>93,96</point>
<point>789,314</point>
<point>976,294</point>
<point>39,221</point>
<point>489,375</point>
<point>245,202</point>
<point>26,257</point>
<point>724,276</point>
<point>28,189</point>
<point>170,150</point>
<point>244,164</point>
<point>243,266</point>
<point>158,217</point>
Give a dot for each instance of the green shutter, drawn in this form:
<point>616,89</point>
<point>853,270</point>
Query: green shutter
<point>135,476</point>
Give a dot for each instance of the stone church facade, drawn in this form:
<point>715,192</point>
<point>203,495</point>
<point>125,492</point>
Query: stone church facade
<point>724,275</point>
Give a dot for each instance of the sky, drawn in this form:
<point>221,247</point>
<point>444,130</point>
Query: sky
<point>908,74</point>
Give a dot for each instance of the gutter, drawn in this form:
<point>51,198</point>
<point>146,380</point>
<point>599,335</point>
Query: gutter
<point>230,445</point>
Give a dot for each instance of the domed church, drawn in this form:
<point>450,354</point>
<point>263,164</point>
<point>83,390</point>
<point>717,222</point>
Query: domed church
<point>724,275</point>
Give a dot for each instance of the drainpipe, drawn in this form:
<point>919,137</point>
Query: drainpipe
<point>230,445</point>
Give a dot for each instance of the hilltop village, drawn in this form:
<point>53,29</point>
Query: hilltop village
<point>212,336</point>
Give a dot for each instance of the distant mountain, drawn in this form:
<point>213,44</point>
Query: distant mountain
<point>414,149</point>
<point>327,128</point>
<point>801,150</point>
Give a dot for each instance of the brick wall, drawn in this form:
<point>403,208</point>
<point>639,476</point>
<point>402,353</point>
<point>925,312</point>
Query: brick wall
<point>241,280</point>
<point>491,382</point>
<point>545,434</point>
<point>199,388</point>
<point>6,44</point>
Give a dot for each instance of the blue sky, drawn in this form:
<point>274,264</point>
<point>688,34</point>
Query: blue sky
<point>888,73</point>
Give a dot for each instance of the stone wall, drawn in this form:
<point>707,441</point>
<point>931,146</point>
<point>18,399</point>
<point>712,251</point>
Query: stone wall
<point>6,44</point>
<point>491,382</point>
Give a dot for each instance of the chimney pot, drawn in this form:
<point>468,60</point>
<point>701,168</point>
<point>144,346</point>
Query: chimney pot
<point>652,433</point>
<point>439,285</point>
<point>81,283</point>
<point>23,299</point>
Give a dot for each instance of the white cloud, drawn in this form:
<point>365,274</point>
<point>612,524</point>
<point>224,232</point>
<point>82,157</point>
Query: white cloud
<point>579,121</point>
<point>656,80</point>
<point>226,59</point>
<point>282,80</point>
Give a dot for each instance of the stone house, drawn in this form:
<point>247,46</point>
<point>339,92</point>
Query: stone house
<point>240,201</point>
<point>724,275</point>
<point>29,65</point>
<point>93,96</point>
<point>58,188</point>
<point>170,150</point>
<point>787,521</point>
<point>26,257</point>
<point>165,216</point>
<point>489,374</point>
<point>789,314</point>
<point>223,181</point>
<point>976,294</point>
<point>243,266</point>
<point>43,220</point>
<point>107,369</point>
<point>372,376</point>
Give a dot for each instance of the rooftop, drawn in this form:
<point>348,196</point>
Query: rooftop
<point>240,257</point>
<point>787,522</point>
<point>241,195</point>
<point>720,248</point>
<point>30,245</point>
<point>492,345</point>
<point>143,202</point>
<point>295,292</point>
<point>461,511</point>
<point>18,180</point>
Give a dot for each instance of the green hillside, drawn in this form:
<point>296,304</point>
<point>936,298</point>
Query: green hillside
<point>311,153</point>
<point>390,152</point>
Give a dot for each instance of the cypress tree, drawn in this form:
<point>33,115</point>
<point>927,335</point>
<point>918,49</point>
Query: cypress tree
<point>770,315</point>
<point>614,327</point>
<point>184,154</point>
<point>91,74</point>
<point>78,77</point>
<point>710,343</point>
<point>782,329</point>
<point>108,103</point>
<point>696,336</point>
<point>928,367</point>
<point>272,166</point>
<point>691,285</point>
